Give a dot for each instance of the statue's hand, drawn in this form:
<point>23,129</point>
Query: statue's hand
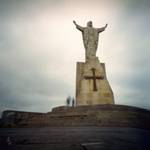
<point>74,22</point>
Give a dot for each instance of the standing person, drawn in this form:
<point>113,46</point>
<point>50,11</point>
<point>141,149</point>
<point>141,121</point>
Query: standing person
<point>68,100</point>
<point>73,102</point>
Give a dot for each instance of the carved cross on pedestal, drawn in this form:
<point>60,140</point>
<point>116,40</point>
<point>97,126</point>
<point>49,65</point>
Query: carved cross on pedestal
<point>94,78</point>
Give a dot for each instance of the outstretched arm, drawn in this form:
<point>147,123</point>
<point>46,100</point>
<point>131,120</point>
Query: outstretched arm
<point>102,29</point>
<point>78,26</point>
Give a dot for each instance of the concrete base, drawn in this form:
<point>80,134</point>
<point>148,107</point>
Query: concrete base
<point>85,93</point>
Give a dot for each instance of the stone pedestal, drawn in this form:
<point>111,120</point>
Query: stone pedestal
<point>92,86</point>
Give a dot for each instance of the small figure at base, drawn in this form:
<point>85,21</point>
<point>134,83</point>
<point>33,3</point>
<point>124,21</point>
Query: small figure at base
<point>68,100</point>
<point>73,102</point>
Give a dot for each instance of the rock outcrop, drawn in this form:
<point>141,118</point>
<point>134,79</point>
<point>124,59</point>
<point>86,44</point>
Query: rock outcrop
<point>98,115</point>
<point>12,118</point>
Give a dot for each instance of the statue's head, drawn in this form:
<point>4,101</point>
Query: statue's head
<point>89,24</point>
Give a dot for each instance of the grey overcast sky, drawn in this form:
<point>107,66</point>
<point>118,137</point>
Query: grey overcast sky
<point>39,48</point>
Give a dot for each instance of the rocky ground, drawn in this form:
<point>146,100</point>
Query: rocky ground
<point>97,115</point>
<point>74,138</point>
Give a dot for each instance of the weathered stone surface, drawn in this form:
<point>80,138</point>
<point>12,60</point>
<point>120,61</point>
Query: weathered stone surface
<point>96,115</point>
<point>12,118</point>
<point>86,92</point>
<point>90,38</point>
<point>92,86</point>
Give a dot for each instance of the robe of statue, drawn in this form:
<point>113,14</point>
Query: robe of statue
<point>90,39</point>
